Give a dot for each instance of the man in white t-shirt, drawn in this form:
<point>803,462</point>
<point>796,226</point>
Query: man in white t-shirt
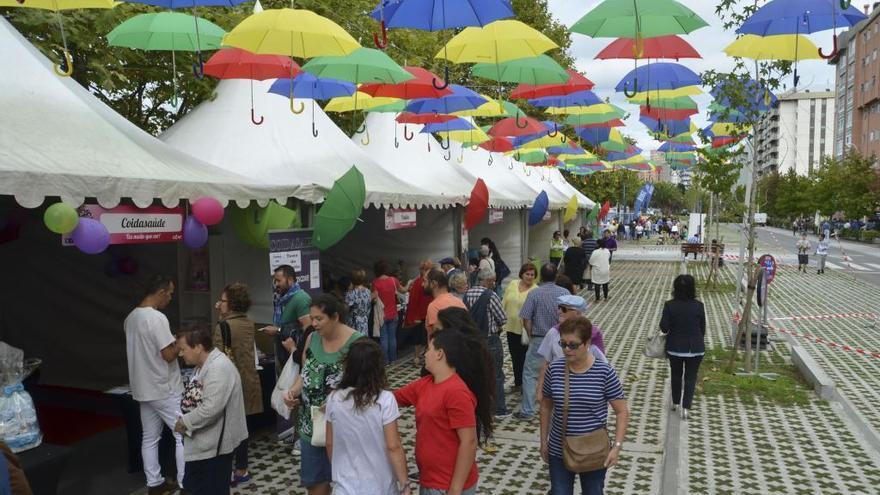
<point>154,376</point>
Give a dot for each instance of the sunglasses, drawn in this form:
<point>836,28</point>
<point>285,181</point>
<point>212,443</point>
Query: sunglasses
<point>570,345</point>
<point>564,309</point>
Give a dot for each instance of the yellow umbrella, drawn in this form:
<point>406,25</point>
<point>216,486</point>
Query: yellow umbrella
<point>361,101</point>
<point>496,42</point>
<point>599,108</point>
<point>579,156</point>
<point>546,141</point>
<point>666,93</point>
<point>470,137</point>
<point>491,108</point>
<point>57,6</point>
<point>780,47</point>
<point>291,32</point>
<point>571,209</point>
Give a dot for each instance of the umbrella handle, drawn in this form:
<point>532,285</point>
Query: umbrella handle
<point>302,107</point>
<point>67,71</point>
<point>525,122</point>
<point>491,159</point>
<point>448,143</point>
<point>509,164</point>
<point>363,128</point>
<point>384,43</point>
<point>409,135</point>
<point>448,155</point>
<point>396,142</point>
<point>555,131</point>
<point>445,84</point>
<point>635,90</point>
<point>366,139</point>
<point>429,144</point>
<point>639,47</point>
<point>564,139</point>
<point>767,98</point>
<point>527,171</point>
<point>314,130</point>
<point>460,158</point>
<point>833,49</point>
<point>199,68</point>
<point>254,118</point>
<point>475,147</point>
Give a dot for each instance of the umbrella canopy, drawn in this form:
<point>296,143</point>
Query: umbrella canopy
<point>306,85</point>
<point>539,208</point>
<point>188,4</point>
<point>660,113</point>
<point>423,118</point>
<point>461,98</point>
<point>663,75</point>
<point>340,209</point>
<point>654,93</point>
<point>359,101</point>
<point>497,144</point>
<point>420,86</point>
<point>660,47</point>
<point>170,31</point>
<point>477,206</point>
<point>680,103</point>
<point>469,137</point>
<point>235,63</point>
<point>597,109</point>
<point>668,127</point>
<point>492,108</point>
<point>395,107</point>
<point>436,15</point>
<point>580,98</point>
<point>675,147</point>
<point>570,210</point>
<point>638,19</point>
<point>591,119</point>
<point>450,125</point>
<point>778,47</point>
<point>511,127</point>
<point>529,155</point>
<point>532,70</point>
<point>291,32</point>
<point>800,16</point>
<point>576,83</point>
<point>59,5</point>
<point>498,42</point>
<point>360,66</point>
<point>252,224</point>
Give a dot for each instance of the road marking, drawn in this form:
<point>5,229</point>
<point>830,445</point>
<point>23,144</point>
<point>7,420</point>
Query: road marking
<point>873,265</point>
<point>859,267</point>
<point>832,265</point>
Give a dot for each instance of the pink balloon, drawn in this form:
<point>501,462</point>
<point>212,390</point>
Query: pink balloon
<point>195,234</point>
<point>207,210</point>
<point>90,236</point>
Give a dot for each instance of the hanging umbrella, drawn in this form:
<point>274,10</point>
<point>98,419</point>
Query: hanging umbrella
<point>423,118</point>
<point>578,120</point>
<point>608,124</point>
<point>363,65</point>
<point>291,32</point>
<point>252,224</point>
<point>675,147</point>
<point>497,42</point>
<point>532,70</point>
<point>470,137</point>
<point>65,68</point>
<point>235,63</point>
<point>477,206</point>
<point>340,209</point>
<point>539,208</point>
<point>167,31</point>
<point>498,145</point>
<point>307,86</point>
<point>529,155</point>
<point>597,109</point>
<point>638,19</point>
<point>359,101</point>
<point>659,113</point>
<point>451,125</point>
<point>492,108</point>
<point>680,103</point>
<point>511,127</point>
<point>580,98</point>
<point>570,209</point>
<point>461,98</point>
<point>576,83</point>
<point>396,107</point>
<point>657,76</point>
<point>660,47</point>
<point>790,47</point>
<point>420,86</point>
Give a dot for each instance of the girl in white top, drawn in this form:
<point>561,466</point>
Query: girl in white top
<point>363,443</point>
<point>600,263</point>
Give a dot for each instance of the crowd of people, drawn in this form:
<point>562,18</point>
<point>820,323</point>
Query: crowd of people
<point>340,342</point>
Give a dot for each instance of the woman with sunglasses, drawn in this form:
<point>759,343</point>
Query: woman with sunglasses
<point>592,386</point>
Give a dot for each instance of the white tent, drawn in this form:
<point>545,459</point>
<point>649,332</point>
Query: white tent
<point>56,139</point>
<point>283,150</point>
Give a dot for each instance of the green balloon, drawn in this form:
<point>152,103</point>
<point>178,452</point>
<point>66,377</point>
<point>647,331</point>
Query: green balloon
<point>61,218</point>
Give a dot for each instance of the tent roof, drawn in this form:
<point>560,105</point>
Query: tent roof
<point>410,161</point>
<point>56,139</point>
<point>498,176</point>
<point>283,150</point>
<point>563,185</point>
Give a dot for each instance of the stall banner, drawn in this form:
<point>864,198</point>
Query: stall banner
<point>295,248</point>
<point>398,218</point>
<point>496,216</point>
<point>132,225</point>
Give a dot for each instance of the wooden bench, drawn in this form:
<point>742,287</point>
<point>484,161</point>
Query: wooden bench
<point>692,248</point>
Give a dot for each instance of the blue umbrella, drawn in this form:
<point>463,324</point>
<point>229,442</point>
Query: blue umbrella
<point>593,135</point>
<point>800,17</point>
<point>663,75</point>
<point>458,124</point>
<point>668,127</point>
<point>760,96</point>
<point>613,156</point>
<point>676,147</point>
<point>435,15</point>
<point>539,208</point>
<point>578,99</point>
<point>573,149</point>
<point>461,98</point>
<point>306,85</point>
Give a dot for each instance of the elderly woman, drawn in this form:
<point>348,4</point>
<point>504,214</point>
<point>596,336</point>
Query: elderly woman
<point>458,284</point>
<point>512,302</point>
<point>213,420</point>
<point>574,412</point>
<point>684,323</point>
<point>235,334</point>
<point>557,248</point>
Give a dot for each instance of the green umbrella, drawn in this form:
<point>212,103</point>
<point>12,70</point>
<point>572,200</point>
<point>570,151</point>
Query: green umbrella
<point>678,103</point>
<point>340,210</point>
<point>638,19</point>
<point>167,31</point>
<point>614,146</point>
<point>533,70</point>
<point>396,107</point>
<point>364,65</point>
<point>252,224</point>
<point>593,118</point>
<point>530,156</point>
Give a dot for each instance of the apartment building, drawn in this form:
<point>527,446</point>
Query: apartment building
<point>797,133</point>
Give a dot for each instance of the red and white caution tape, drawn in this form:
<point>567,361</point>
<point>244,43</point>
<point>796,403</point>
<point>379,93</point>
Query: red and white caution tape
<point>818,340</point>
<point>826,317</point>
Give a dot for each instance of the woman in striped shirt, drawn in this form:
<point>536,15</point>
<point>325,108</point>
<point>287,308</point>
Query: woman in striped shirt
<point>592,386</point>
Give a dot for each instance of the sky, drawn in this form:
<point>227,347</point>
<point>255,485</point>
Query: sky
<point>709,41</point>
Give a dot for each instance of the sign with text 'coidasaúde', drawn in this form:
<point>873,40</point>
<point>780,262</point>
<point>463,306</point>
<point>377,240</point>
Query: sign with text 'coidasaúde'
<point>133,225</point>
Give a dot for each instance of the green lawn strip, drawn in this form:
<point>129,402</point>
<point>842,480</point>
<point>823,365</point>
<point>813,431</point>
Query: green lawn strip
<point>789,388</point>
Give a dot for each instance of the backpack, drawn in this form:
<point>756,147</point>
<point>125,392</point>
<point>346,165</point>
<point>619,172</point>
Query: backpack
<point>501,271</point>
<point>480,312</point>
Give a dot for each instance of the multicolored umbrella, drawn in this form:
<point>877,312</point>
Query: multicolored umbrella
<point>576,83</point>
<point>235,63</point>
<point>363,65</point>
<point>492,108</point>
<point>577,99</point>
<point>659,76</point>
<point>420,86</point>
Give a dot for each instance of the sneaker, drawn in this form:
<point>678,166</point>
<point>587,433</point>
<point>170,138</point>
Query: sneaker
<point>240,480</point>
<point>502,415</point>
<point>675,407</point>
<point>166,488</point>
<point>414,476</point>
<point>684,414</point>
<point>522,417</point>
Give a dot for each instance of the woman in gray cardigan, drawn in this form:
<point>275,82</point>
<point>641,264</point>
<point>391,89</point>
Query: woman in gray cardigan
<point>214,420</point>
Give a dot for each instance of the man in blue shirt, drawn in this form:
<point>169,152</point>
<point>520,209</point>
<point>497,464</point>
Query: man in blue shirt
<point>539,314</point>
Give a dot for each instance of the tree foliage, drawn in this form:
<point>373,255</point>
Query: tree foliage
<point>138,84</point>
<point>668,198</point>
<point>609,186</point>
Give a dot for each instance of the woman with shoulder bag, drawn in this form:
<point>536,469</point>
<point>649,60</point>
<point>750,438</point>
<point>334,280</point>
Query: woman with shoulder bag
<point>574,412</point>
<point>213,421</point>
<point>514,297</point>
<point>684,323</point>
<point>235,335</point>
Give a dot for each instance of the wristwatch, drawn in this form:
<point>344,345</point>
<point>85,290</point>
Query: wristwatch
<point>617,445</point>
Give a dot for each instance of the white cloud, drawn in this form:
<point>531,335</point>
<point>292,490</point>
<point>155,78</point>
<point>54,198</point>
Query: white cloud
<point>709,42</point>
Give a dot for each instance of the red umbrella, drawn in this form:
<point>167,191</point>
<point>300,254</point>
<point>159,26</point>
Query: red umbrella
<point>576,82</point>
<point>477,206</point>
<point>724,141</point>
<point>423,118</point>
<point>420,87</point>
<point>604,210</point>
<point>667,113</point>
<point>498,145</point>
<point>511,127</point>
<point>235,63</point>
<point>609,124</point>
<point>659,47</point>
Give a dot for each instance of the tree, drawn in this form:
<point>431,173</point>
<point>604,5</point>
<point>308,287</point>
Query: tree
<point>609,186</point>
<point>138,84</point>
<point>848,185</point>
<point>668,198</point>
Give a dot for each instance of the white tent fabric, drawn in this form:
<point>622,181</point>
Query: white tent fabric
<point>536,177</point>
<point>498,178</point>
<point>283,150</point>
<point>410,160</point>
<point>56,139</point>
<point>566,188</point>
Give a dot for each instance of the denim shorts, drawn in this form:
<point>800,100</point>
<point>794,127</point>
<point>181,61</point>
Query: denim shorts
<point>314,465</point>
<point>423,490</point>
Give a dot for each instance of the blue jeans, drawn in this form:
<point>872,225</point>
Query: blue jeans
<point>497,353</point>
<point>562,480</point>
<point>530,376</point>
<point>388,340</point>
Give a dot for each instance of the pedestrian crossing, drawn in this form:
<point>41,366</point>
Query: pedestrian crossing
<point>865,267</point>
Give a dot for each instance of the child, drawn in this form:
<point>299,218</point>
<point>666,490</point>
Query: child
<point>362,439</point>
<point>454,407</point>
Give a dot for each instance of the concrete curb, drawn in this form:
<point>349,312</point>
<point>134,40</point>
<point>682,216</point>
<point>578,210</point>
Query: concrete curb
<point>671,475</point>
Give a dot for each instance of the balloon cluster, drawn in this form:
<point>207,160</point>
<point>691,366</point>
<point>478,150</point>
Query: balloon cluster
<point>205,211</point>
<point>87,234</point>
